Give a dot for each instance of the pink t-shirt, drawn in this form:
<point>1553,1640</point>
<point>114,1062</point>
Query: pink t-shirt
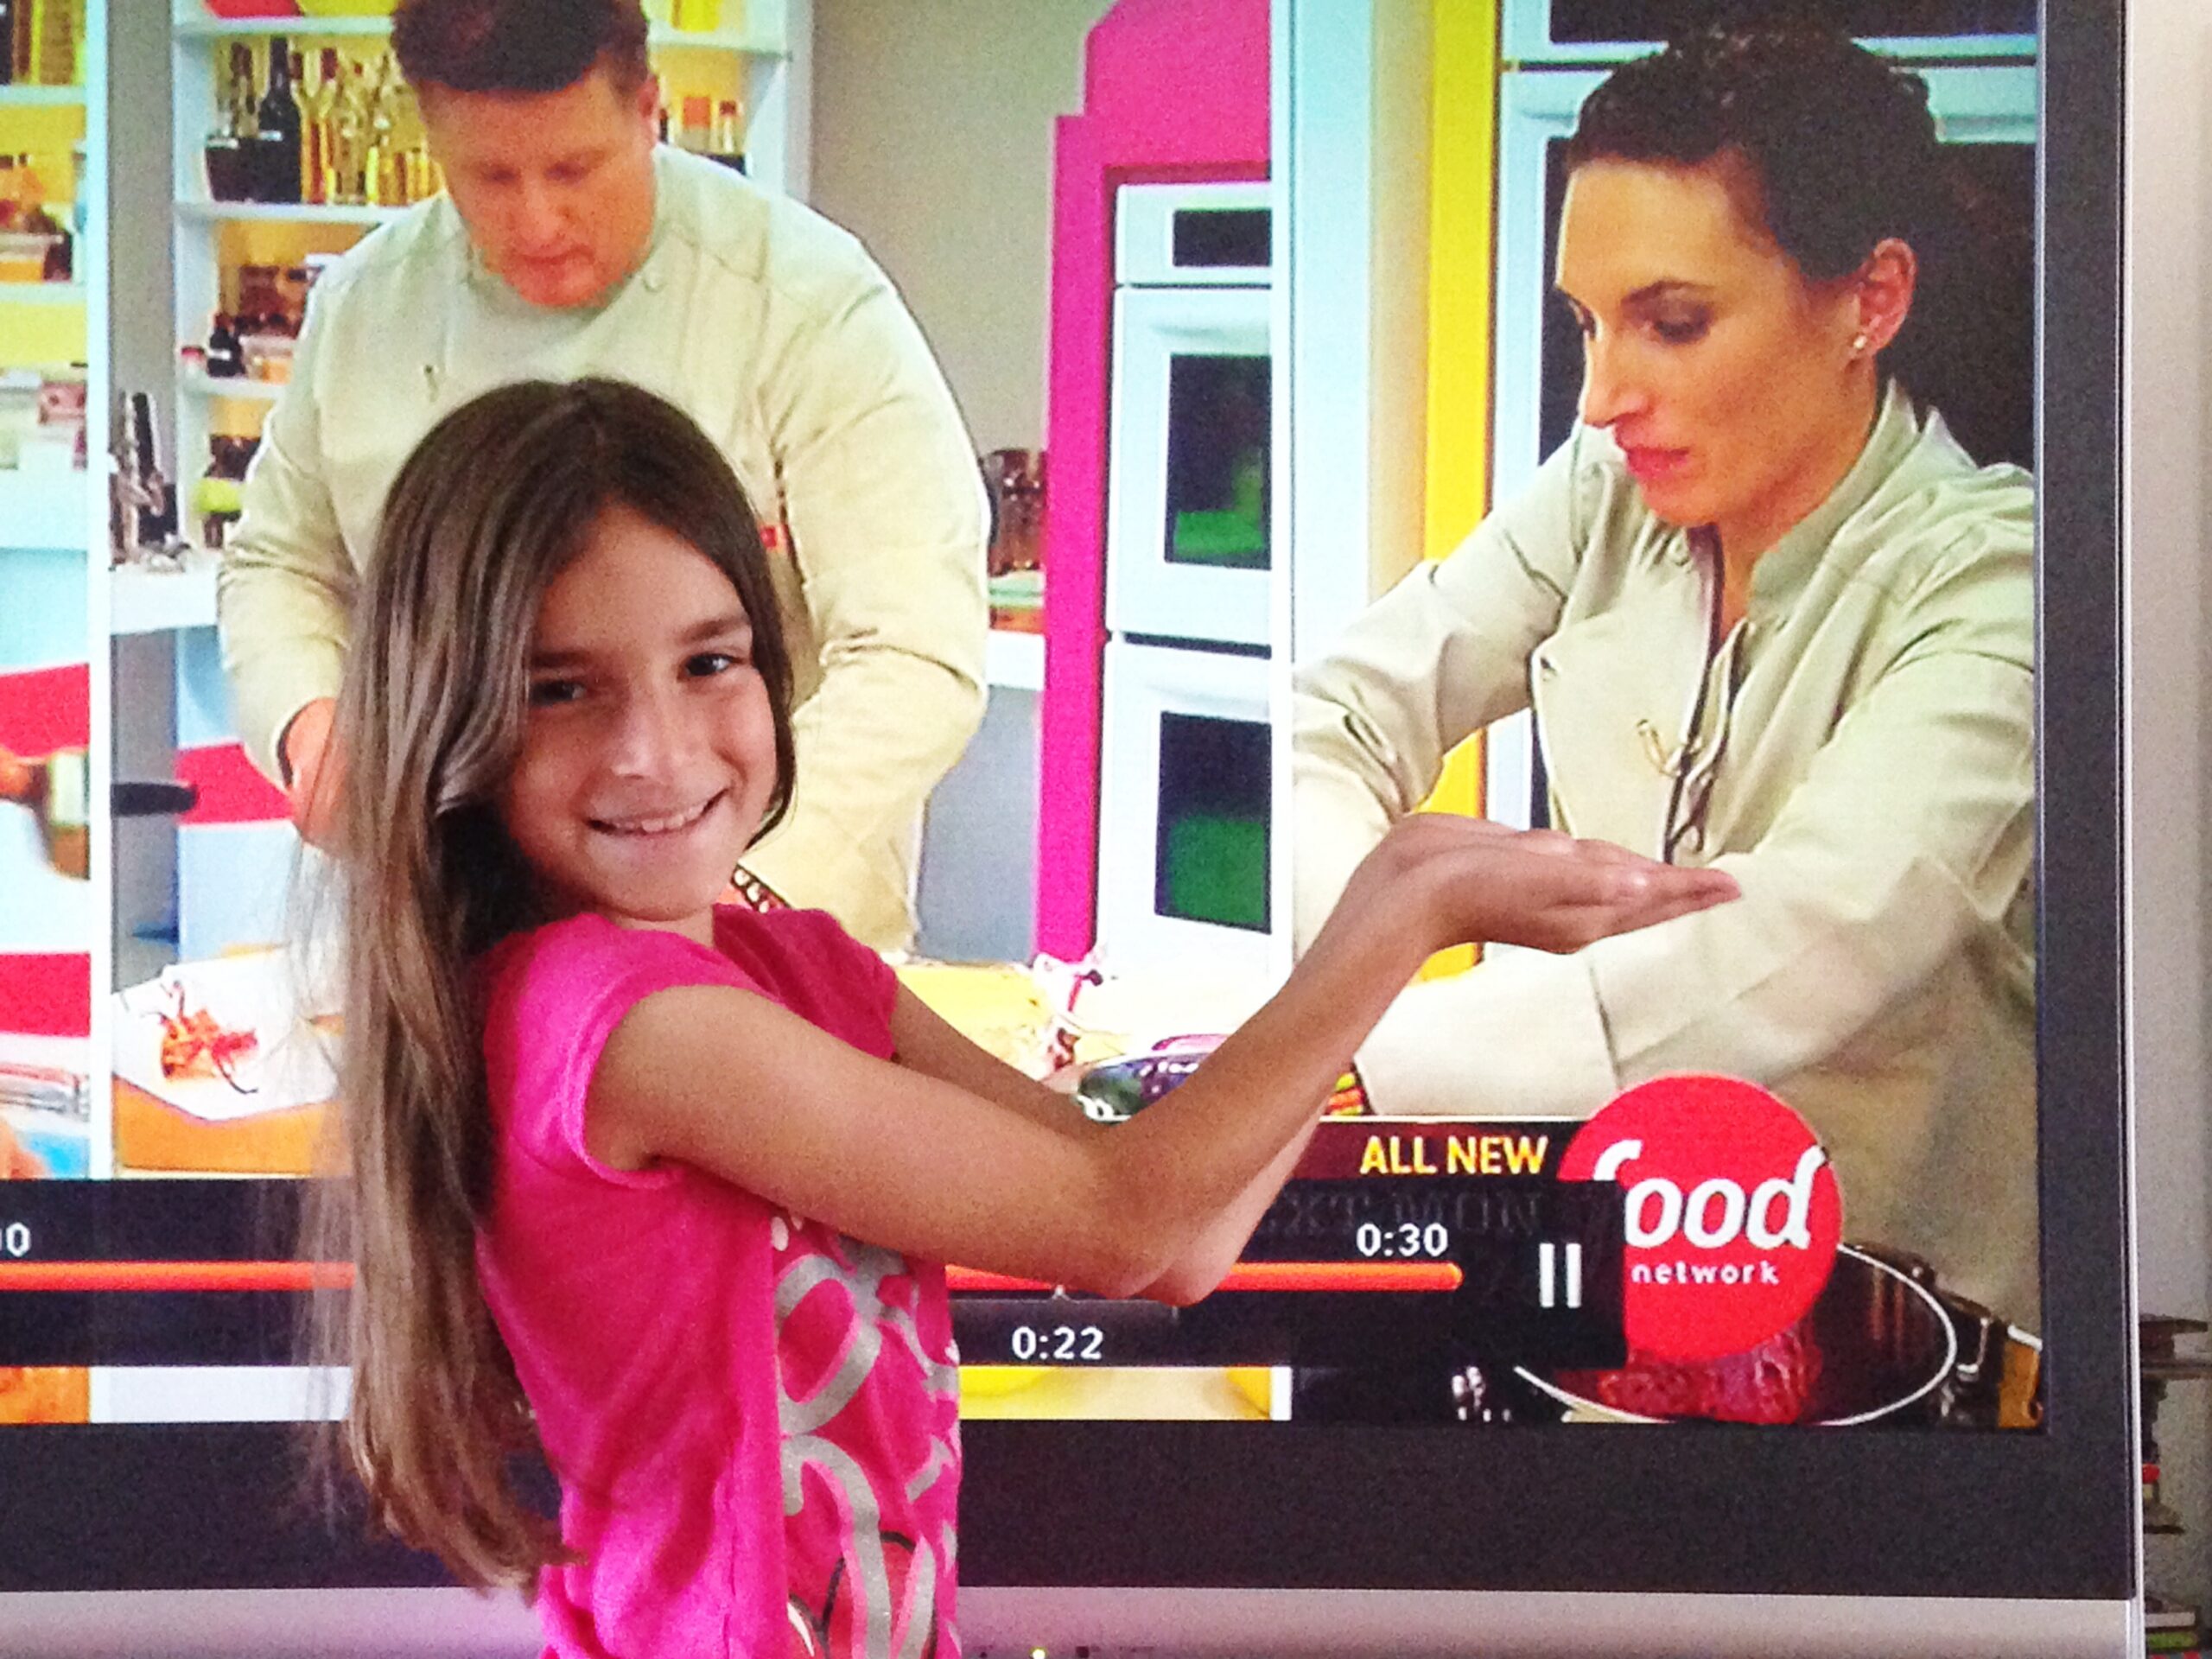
<point>754,1419</point>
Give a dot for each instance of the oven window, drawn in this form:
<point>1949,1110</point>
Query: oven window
<point>1223,235</point>
<point>1211,861</point>
<point>1219,413</point>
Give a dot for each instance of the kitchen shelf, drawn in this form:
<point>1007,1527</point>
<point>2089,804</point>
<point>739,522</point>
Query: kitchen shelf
<point>1015,660</point>
<point>41,293</point>
<point>47,512</point>
<point>144,601</point>
<point>282,212</point>
<point>754,53</point>
<point>244,387</point>
<point>199,27</point>
<point>37,97</point>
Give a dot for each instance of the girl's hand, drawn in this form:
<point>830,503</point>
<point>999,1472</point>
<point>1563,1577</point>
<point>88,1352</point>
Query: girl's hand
<point>1466,881</point>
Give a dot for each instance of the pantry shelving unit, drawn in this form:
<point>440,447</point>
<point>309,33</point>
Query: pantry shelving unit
<point>759,57</point>
<point>51,325</point>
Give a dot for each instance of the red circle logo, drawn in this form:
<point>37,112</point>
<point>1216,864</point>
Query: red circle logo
<point>1732,1212</point>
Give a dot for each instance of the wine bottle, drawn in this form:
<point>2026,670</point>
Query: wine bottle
<point>307,92</point>
<point>239,95</point>
<point>322,122</point>
<point>349,136</point>
<point>279,118</point>
<point>380,171</point>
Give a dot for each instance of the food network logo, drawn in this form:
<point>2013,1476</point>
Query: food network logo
<point>1731,1210</point>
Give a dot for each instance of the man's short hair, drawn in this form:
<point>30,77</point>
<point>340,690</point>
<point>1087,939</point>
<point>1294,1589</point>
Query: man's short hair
<point>520,46</point>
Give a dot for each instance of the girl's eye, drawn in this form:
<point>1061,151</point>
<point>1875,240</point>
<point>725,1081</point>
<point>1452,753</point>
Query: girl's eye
<point>546,694</point>
<point>1685,329</point>
<point>706,664</point>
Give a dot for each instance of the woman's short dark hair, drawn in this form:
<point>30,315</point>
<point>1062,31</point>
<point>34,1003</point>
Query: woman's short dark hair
<point>520,46</point>
<point>1838,143</point>
<point>1835,149</point>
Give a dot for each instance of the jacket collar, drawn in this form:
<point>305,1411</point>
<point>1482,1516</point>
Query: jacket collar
<point>1785,569</point>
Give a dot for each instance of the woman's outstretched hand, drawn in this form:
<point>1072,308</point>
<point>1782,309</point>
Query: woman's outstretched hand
<point>1466,880</point>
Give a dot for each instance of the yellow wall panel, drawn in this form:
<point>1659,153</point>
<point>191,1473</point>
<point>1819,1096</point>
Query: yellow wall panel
<point>1462,244</point>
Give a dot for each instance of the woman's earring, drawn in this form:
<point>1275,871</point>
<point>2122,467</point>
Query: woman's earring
<point>1858,344</point>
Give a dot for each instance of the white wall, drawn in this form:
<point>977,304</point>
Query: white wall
<point>2168,343</point>
<point>933,144</point>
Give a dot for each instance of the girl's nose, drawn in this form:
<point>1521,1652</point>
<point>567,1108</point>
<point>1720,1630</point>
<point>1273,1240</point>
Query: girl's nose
<point>652,735</point>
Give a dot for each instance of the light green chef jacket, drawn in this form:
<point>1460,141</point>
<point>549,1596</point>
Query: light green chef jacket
<point>1864,766</point>
<point>772,329</point>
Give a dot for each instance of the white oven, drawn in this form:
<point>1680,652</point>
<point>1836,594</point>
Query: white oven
<point>1189,552</point>
<point>1186,833</point>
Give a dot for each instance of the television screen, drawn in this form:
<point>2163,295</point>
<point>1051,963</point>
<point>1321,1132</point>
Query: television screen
<point>1774,1251</point>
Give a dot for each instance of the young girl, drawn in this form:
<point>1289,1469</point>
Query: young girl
<point>615,1148</point>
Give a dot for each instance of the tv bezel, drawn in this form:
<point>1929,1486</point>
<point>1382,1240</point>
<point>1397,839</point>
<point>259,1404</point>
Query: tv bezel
<point>2048,1514</point>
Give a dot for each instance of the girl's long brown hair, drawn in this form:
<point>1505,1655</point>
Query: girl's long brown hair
<point>492,503</point>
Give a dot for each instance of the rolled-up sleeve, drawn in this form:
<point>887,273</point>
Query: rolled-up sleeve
<point>1435,660</point>
<point>285,591</point>
<point>884,503</point>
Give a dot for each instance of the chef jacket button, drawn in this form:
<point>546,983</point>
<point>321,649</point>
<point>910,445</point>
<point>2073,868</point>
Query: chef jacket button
<point>654,281</point>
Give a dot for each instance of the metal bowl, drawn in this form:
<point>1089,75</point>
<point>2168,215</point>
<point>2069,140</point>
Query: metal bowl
<point>1880,1343</point>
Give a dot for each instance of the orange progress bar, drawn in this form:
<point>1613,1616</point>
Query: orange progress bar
<point>175,1275</point>
<point>1273,1275</point>
<point>1387,1276</point>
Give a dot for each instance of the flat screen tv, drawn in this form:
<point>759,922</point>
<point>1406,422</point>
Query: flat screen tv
<point>1434,1410</point>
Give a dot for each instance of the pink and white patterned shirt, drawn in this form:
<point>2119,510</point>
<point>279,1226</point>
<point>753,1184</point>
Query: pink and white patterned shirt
<point>754,1419</point>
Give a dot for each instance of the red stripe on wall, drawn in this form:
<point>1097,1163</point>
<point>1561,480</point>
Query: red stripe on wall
<point>231,790</point>
<point>46,996</point>
<point>47,708</point>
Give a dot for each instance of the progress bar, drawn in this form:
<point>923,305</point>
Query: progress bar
<point>81,1276</point>
<point>174,1275</point>
<point>1399,1276</point>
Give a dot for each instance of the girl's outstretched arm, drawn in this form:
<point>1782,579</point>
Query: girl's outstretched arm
<point>928,1044</point>
<point>744,1089</point>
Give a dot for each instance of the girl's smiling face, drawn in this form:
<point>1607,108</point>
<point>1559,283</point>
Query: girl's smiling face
<point>1737,389</point>
<point>649,754</point>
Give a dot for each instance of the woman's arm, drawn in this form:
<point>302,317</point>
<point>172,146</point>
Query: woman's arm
<point>744,1089</point>
<point>1911,829</point>
<point>1440,656</point>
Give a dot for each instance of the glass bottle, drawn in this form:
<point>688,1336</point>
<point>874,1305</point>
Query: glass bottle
<point>695,131</point>
<point>350,136</point>
<point>278,142</point>
<point>379,162</point>
<point>230,147</point>
<point>308,89</point>
<point>321,113</point>
<point>225,359</point>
